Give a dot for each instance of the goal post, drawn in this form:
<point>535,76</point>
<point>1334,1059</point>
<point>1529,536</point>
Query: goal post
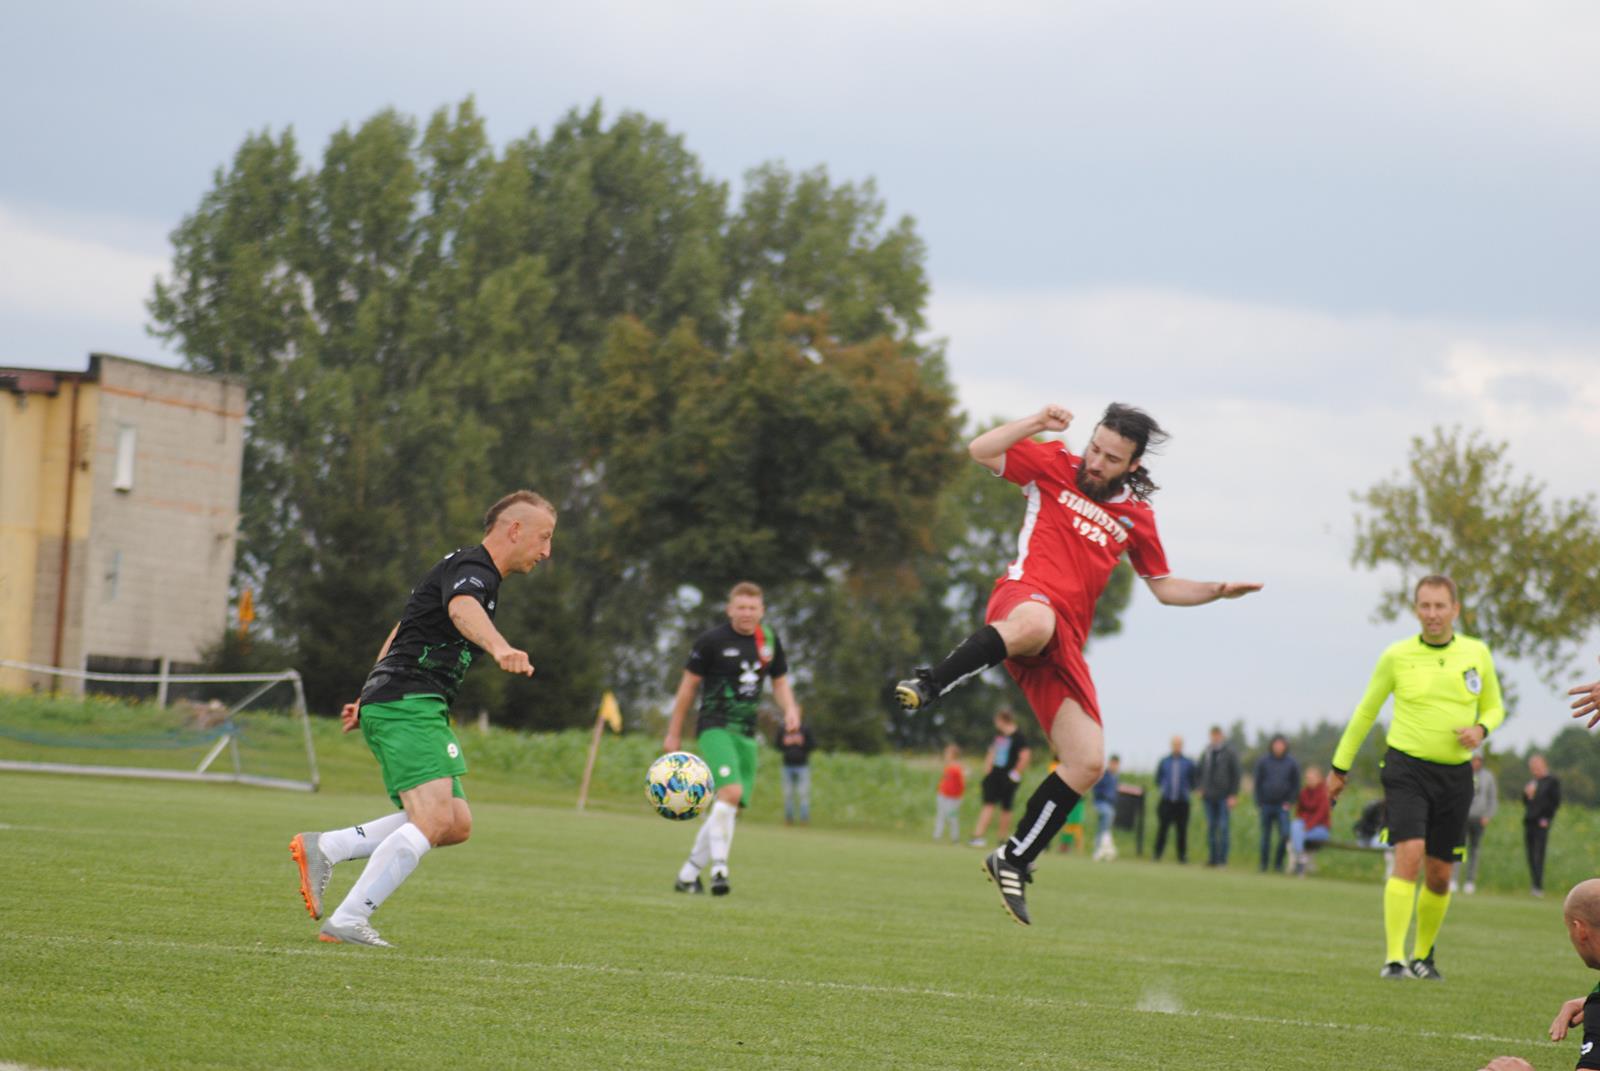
<point>238,728</point>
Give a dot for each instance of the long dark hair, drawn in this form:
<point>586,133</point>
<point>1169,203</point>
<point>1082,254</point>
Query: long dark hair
<point>1141,429</point>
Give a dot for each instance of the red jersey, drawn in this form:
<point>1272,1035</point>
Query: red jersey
<point>1313,806</point>
<point>1069,543</point>
<point>954,782</point>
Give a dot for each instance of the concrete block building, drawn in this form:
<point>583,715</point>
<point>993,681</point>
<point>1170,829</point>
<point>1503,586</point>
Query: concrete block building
<point>119,513</point>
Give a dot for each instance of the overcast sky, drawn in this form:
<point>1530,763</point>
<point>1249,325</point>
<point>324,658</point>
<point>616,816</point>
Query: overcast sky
<point>1299,234</point>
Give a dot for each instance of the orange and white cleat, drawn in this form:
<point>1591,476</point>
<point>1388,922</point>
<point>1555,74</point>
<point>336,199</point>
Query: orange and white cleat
<point>315,870</point>
<point>358,932</point>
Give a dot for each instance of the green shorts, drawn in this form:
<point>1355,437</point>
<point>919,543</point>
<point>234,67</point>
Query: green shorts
<point>413,743</point>
<point>732,758</point>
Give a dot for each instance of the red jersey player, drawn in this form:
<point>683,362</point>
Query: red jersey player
<point>1082,514</point>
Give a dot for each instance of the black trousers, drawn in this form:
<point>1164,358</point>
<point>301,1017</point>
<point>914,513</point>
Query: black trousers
<point>1534,839</point>
<point>1173,814</point>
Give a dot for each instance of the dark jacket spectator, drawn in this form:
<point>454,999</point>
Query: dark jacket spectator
<point>1277,780</point>
<point>1175,777</point>
<point>1542,800</point>
<point>1219,772</point>
<point>796,746</point>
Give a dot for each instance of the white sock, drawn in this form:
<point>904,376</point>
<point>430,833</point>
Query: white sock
<point>720,832</point>
<point>700,854</point>
<point>391,864</point>
<point>358,842</point>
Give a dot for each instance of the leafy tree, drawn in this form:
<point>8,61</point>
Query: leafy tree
<point>1525,561</point>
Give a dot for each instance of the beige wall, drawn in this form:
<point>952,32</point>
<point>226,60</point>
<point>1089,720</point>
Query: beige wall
<point>161,554</point>
<point>34,450</point>
<point>148,567</point>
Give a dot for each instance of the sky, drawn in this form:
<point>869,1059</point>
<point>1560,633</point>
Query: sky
<point>1299,234</point>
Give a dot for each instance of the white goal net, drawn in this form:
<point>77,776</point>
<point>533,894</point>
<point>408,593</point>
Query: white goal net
<point>244,728</point>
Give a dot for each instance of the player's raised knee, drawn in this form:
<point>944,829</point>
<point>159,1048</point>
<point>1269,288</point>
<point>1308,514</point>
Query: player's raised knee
<point>731,793</point>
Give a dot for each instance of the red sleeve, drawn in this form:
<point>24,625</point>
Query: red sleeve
<point>1149,558</point>
<point>1027,461</point>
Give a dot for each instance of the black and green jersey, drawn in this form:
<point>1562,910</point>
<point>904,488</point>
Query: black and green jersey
<point>1589,1051</point>
<point>731,667</point>
<point>428,656</point>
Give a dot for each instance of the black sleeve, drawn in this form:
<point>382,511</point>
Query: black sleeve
<point>469,578</point>
<point>779,666</point>
<point>1235,774</point>
<point>702,656</point>
<point>811,740</point>
<point>1589,1052</point>
<point>1555,797</point>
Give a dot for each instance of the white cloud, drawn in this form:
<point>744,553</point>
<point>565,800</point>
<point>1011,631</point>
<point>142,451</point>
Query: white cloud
<point>58,269</point>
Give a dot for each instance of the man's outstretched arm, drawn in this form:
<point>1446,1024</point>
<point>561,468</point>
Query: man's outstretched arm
<point>989,449</point>
<point>1176,591</point>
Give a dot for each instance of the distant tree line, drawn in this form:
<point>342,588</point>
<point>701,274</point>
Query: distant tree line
<point>710,387</point>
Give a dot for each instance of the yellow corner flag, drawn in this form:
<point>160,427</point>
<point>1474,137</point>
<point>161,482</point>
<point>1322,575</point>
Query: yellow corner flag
<point>610,713</point>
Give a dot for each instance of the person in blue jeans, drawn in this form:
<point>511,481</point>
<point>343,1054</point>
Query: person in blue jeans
<point>1105,805</point>
<point>796,745</point>
<point>1219,776</point>
<point>1277,789</point>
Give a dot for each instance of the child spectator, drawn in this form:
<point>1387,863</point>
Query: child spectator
<point>947,805</point>
<point>1312,817</point>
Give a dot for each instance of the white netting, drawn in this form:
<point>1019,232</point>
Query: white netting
<point>247,728</point>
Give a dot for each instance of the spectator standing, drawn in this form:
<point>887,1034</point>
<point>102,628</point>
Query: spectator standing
<point>1105,806</point>
<point>947,804</point>
<point>1541,797</point>
<point>1277,787</point>
<point>1220,772</point>
<point>1175,777</point>
<point>797,744</point>
<point>1312,817</point>
<point>1485,802</point>
<point>1003,767</point>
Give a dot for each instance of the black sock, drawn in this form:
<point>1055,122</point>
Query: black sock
<point>973,655</point>
<point>1047,812</point>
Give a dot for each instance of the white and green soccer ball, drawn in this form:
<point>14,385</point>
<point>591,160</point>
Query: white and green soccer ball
<point>679,785</point>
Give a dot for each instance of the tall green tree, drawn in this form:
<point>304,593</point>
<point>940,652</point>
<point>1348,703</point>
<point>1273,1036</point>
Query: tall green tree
<point>1525,560</point>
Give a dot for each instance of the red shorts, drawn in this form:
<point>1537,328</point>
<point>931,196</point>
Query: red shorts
<point>1057,673</point>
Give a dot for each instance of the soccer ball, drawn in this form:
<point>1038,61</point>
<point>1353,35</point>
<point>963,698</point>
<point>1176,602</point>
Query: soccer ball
<point>679,785</point>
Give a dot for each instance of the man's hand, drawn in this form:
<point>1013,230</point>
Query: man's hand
<point>1507,1063</point>
<point>671,741</point>
<point>514,661</point>
<point>1233,589</point>
<point>1016,776</point>
<point>1587,705</point>
<point>1054,417</point>
<point>1231,801</point>
<point>350,716</point>
<point>1471,736</point>
<point>791,720</point>
<point>1336,782</point>
<point>1571,1014</point>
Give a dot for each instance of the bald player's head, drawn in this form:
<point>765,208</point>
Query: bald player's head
<point>1582,912</point>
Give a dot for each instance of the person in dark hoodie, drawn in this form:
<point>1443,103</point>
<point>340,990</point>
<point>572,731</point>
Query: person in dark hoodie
<point>1277,787</point>
<point>1541,798</point>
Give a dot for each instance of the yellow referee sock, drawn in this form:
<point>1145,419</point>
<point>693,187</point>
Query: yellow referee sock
<point>1431,907</point>
<point>1397,897</point>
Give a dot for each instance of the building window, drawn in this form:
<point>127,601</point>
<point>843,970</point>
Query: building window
<point>127,443</point>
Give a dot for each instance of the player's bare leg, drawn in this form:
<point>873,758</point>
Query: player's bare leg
<point>1080,747</point>
<point>1025,631</point>
<point>981,830</point>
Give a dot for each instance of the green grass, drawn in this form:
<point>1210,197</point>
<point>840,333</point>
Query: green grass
<point>152,925</point>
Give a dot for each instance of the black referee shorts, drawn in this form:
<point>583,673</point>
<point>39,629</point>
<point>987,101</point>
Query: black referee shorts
<point>1427,800</point>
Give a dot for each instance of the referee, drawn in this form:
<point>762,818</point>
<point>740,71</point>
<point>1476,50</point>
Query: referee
<point>1446,701</point>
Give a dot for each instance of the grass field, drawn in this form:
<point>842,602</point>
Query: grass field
<point>153,925</point>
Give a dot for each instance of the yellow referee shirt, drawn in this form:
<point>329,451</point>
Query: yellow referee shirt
<point>1437,690</point>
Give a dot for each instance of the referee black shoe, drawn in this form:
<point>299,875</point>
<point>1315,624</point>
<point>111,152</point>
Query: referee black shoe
<point>694,886</point>
<point>918,693</point>
<point>1424,969</point>
<point>1394,970</point>
<point>1009,880</point>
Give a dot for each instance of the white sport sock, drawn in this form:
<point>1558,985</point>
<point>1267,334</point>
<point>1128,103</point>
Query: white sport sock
<point>700,854</point>
<point>391,864</point>
<point>720,833</point>
<point>358,842</point>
